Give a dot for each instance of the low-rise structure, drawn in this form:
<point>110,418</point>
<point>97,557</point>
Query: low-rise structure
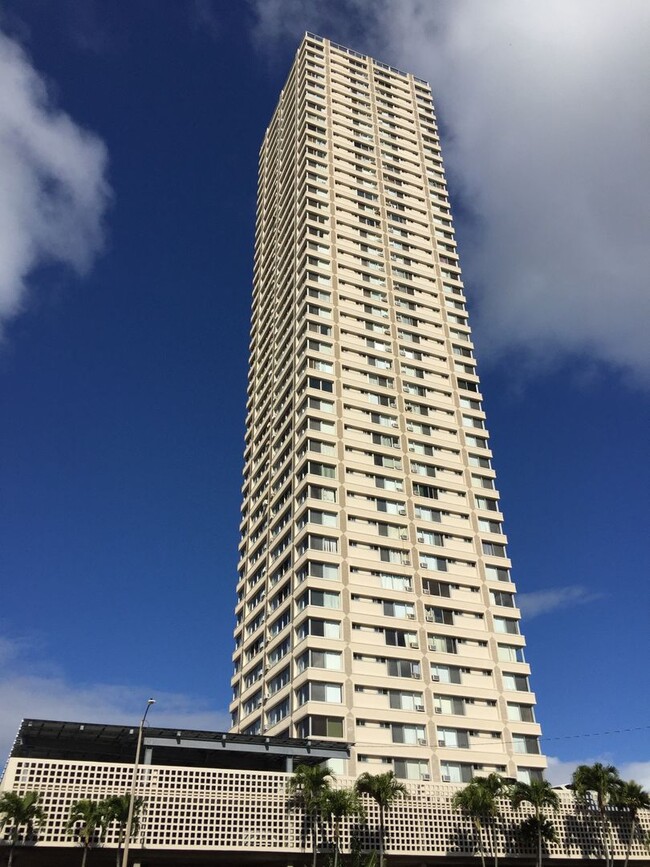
<point>218,798</point>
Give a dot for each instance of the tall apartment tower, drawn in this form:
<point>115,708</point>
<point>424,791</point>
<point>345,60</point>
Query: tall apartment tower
<point>375,602</point>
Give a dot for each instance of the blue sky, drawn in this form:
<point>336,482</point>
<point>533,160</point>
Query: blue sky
<point>136,131</point>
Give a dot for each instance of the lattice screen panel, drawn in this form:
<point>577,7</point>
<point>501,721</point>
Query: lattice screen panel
<point>199,808</point>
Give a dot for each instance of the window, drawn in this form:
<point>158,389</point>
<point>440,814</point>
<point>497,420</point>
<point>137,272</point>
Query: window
<point>318,570</point>
<point>506,625</point>
<point>317,469</point>
<point>389,484</point>
<point>428,561</point>
<point>447,704</point>
<point>401,700</point>
<point>327,519</point>
<point>497,573</point>
<point>427,514</point>
<point>277,713</point>
<point>319,659</point>
<point>279,681</point>
<point>525,744</point>
<point>427,537</point>
<point>439,615</point>
<point>455,772</point>
<point>487,504</point>
<point>391,507</point>
<point>403,668</point>
<point>494,549</point>
<point>445,673</point>
<point>322,628</point>
<point>321,598</point>
<point>399,638</point>
<point>279,651</point>
<point>506,600</point>
<point>436,588</point>
<point>317,691</point>
<point>317,492</point>
<point>399,609</point>
<point>455,738</point>
<point>410,769</point>
<point>321,726</point>
<point>407,734</point>
<point>521,712</point>
<point>395,582</point>
<point>318,543</point>
<point>510,653</point>
<point>393,555</point>
<point>529,775</point>
<point>516,682</point>
<point>443,644</point>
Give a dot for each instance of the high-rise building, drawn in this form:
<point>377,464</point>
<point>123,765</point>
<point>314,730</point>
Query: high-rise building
<point>375,602</point>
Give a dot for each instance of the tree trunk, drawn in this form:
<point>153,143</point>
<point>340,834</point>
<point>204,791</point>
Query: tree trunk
<point>630,840</point>
<point>84,856</point>
<point>604,834</point>
<point>11,854</point>
<point>381,836</point>
<point>336,841</point>
<point>314,837</point>
<point>477,825</point>
<point>539,844</point>
<point>120,839</point>
<point>493,835</point>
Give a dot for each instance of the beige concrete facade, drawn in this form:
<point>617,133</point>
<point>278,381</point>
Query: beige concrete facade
<point>375,598</point>
<point>194,815</point>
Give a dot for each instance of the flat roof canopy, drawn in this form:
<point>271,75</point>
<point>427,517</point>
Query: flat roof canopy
<point>79,741</point>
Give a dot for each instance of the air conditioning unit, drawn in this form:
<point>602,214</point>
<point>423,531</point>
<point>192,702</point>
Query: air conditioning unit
<point>438,710</point>
<point>425,777</point>
<point>401,510</point>
<point>393,422</point>
<point>423,564</point>
<point>446,778</point>
<point>441,743</point>
<point>435,677</point>
<point>422,742</point>
<point>415,644</point>
<point>419,708</point>
<point>430,616</point>
<point>420,537</point>
<point>410,615</point>
<point>415,674</point>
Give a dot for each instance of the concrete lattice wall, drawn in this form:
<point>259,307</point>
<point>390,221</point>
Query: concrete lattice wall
<point>216,809</point>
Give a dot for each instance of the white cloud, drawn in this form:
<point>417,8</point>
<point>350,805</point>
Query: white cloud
<point>559,771</point>
<point>49,694</point>
<point>546,138</point>
<point>54,191</point>
<point>543,601</point>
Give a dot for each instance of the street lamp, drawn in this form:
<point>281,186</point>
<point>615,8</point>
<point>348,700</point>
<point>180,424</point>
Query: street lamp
<point>134,781</point>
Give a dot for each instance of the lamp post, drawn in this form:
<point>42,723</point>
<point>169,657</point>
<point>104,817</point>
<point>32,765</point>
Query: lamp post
<point>134,782</point>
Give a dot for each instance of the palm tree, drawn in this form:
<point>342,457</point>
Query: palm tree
<point>540,794</point>
<point>117,810</point>
<point>479,805</point>
<point>307,789</point>
<point>494,786</point>
<point>533,830</point>
<point>19,811</point>
<point>632,797</point>
<point>384,789</point>
<point>336,804</point>
<point>88,820</point>
<point>604,781</point>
